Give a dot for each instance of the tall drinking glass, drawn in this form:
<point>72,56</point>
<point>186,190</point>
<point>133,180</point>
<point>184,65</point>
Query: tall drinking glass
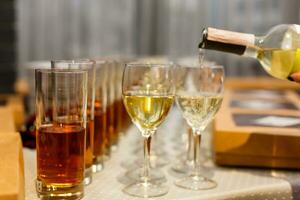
<point>101,134</point>
<point>111,103</point>
<point>120,117</point>
<point>199,96</point>
<point>148,95</point>
<point>61,106</point>
<point>89,66</point>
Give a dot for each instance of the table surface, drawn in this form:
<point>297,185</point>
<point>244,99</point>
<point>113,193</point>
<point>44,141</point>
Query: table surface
<point>233,183</point>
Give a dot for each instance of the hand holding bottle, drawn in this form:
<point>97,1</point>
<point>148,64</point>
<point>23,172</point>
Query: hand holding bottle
<point>296,77</point>
<point>278,51</point>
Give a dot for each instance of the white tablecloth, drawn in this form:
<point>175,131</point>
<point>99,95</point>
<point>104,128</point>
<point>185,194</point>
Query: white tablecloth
<point>233,183</point>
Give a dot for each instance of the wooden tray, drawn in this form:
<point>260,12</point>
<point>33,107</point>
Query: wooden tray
<point>258,125</point>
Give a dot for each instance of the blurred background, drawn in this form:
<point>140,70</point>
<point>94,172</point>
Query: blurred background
<point>34,30</point>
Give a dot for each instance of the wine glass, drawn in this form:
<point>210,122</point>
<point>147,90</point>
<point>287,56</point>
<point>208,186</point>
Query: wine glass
<point>199,96</point>
<point>148,95</point>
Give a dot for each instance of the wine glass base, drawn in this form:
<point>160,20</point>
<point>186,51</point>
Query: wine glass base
<point>196,183</point>
<point>129,164</point>
<point>154,175</point>
<point>145,190</point>
<point>183,167</point>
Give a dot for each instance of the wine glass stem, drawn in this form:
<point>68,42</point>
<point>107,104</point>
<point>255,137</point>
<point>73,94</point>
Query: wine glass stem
<point>197,141</point>
<point>147,142</point>
<point>190,150</point>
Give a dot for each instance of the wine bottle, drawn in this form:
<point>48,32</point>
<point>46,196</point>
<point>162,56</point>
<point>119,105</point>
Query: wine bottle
<point>278,51</point>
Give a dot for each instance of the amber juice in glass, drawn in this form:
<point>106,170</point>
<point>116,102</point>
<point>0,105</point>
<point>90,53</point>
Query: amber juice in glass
<point>89,144</point>
<point>118,96</point>
<point>100,124</point>
<point>100,136</point>
<point>60,150</point>
<point>111,107</point>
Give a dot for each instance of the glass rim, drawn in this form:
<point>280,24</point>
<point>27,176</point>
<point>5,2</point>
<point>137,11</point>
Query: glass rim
<point>212,66</point>
<point>75,61</point>
<point>106,59</point>
<point>61,71</point>
<point>136,64</point>
<point>100,61</point>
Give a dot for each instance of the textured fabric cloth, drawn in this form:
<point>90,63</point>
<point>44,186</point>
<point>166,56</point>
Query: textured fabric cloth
<point>233,183</point>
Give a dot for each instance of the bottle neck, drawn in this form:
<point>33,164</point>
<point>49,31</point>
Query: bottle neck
<point>227,41</point>
<point>252,51</point>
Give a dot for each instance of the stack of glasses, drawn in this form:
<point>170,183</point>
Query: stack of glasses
<point>80,117</point>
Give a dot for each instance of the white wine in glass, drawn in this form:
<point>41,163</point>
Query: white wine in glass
<point>147,111</point>
<point>198,110</point>
<point>199,97</point>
